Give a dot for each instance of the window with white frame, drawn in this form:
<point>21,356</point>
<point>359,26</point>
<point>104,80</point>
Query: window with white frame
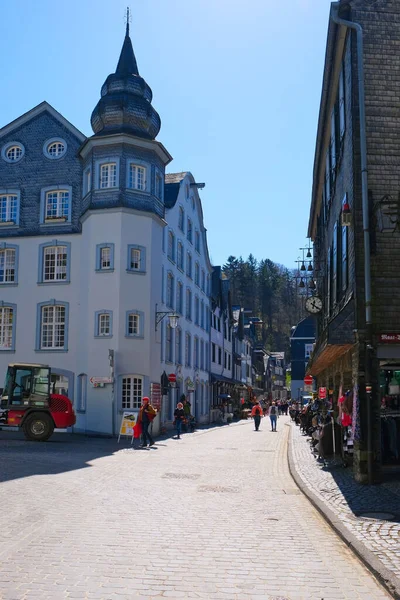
<point>202,354</point>
<point>7,265</point>
<point>159,186</point>
<point>202,314</point>
<point>52,327</point>
<point>203,280</point>
<point>197,274</point>
<point>171,245</point>
<point>189,232</point>
<point>179,297</point>
<point>87,181</point>
<point>197,241</point>
<point>6,327</point>
<point>196,311</point>
<point>181,219</point>
<point>14,153</point>
<point>178,346</point>
<point>108,175</point>
<point>196,352</point>
<point>179,256</point>
<point>170,290</point>
<point>188,304</point>
<point>57,204</point>
<point>135,259</point>
<point>169,345</point>
<point>55,263</point>
<point>132,391</point>
<point>134,324</point>
<point>55,149</point>
<point>105,258</point>
<point>137,177</point>
<point>8,208</point>
<point>103,328</point>
<point>188,349</point>
<point>189,272</point>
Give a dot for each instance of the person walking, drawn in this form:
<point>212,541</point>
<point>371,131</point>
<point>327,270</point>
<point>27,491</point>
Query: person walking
<point>147,413</point>
<point>257,413</point>
<point>273,415</point>
<point>179,415</point>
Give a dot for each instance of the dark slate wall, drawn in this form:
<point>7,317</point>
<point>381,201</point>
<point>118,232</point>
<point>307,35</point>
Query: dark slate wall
<point>34,172</point>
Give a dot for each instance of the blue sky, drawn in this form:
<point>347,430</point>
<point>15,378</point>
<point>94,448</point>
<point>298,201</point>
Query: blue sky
<point>237,85</point>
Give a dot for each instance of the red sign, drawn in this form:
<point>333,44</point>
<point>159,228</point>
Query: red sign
<point>155,395</point>
<point>308,379</point>
<point>322,393</point>
<point>172,378</point>
<point>389,338</point>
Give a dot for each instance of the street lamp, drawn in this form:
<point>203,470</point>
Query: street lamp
<point>172,317</point>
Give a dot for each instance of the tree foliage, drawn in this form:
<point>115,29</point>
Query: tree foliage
<point>269,291</point>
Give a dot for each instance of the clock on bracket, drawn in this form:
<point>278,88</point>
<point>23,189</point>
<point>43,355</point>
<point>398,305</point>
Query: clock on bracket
<point>314,305</point>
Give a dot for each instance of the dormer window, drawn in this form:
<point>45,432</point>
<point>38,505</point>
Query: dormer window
<point>12,152</point>
<point>108,175</point>
<point>54,148</point>
<point>137,177</point>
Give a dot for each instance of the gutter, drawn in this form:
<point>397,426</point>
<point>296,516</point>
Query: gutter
<point>365,212</point>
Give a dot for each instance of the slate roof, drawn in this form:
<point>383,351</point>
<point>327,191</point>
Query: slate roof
<point>175,177</point>
<point>171,188</point>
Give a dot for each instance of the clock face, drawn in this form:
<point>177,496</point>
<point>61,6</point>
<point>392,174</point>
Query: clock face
<point>314,305</point>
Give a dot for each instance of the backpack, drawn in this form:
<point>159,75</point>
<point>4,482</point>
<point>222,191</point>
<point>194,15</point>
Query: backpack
<point>258,411</point>
<point>273,410</point>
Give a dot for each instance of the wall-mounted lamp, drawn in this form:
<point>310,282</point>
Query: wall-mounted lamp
<point>172,317</point>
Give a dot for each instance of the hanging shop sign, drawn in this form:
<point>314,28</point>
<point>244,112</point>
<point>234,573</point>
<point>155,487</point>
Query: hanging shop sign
<point>308,379</point>
<point>190,386</point>
<point>322,393</point>
<point>389,338</point>
<point>155,395</point>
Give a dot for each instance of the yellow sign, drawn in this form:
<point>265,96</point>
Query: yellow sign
<point>129,420</point>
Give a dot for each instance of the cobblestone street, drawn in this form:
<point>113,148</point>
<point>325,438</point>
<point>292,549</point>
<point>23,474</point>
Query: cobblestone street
<point>338,491</point>
<point>213,515</point>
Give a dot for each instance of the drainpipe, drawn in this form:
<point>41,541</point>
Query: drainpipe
<point>365,211</point>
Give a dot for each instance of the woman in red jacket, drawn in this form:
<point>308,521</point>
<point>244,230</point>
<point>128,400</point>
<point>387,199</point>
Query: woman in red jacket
<point>257,413</point>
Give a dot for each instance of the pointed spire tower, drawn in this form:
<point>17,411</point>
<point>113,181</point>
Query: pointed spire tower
<point>125,103</point>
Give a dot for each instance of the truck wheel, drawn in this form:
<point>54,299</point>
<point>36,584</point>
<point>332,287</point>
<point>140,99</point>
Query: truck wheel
<point>38,427</point>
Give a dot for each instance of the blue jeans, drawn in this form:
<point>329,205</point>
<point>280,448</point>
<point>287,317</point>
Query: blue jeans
<point>178,427</point>
<point>273,422</point>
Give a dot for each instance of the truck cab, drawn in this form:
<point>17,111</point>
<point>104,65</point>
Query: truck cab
<point>27,402</point>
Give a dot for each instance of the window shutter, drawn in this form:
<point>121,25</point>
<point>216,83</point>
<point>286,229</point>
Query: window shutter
<point>334,264</point>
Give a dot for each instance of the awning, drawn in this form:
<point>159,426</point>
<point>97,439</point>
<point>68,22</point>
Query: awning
<point>326,358</point>
<point>221,379</point>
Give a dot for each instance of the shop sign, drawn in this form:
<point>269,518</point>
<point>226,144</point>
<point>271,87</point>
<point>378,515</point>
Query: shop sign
<point>389,338</point>
<point>322,393</point>
<point>190,386</point>
<point>128,422</point>
<point>155,395</point>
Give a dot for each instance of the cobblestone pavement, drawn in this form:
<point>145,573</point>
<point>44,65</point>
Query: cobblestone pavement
<point>347,499</point>
<point>214,515</point>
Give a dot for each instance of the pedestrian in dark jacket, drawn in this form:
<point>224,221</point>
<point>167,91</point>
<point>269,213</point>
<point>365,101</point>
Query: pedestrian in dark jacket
<point>179,415</point>
<point>147,413</point>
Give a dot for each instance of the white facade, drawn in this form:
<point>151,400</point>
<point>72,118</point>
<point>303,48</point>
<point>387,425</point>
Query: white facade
<point>185,277</point>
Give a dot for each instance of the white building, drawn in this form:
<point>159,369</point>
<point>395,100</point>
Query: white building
<point>82,229</point>
<point>186,271</point>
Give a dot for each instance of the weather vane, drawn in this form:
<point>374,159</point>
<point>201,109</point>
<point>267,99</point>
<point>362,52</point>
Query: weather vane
<point>128,19</point>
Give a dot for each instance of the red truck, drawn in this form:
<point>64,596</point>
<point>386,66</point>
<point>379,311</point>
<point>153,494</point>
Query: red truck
<point>27,402</point>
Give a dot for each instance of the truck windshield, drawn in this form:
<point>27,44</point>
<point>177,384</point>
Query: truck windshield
<point>41,382</point>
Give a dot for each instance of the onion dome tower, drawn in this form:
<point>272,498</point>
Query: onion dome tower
<point>125,103</point>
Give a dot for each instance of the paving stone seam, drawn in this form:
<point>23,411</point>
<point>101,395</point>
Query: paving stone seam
<point>390,582</point>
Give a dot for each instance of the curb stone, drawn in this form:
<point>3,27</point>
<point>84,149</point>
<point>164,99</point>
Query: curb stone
<point>389,581</point>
